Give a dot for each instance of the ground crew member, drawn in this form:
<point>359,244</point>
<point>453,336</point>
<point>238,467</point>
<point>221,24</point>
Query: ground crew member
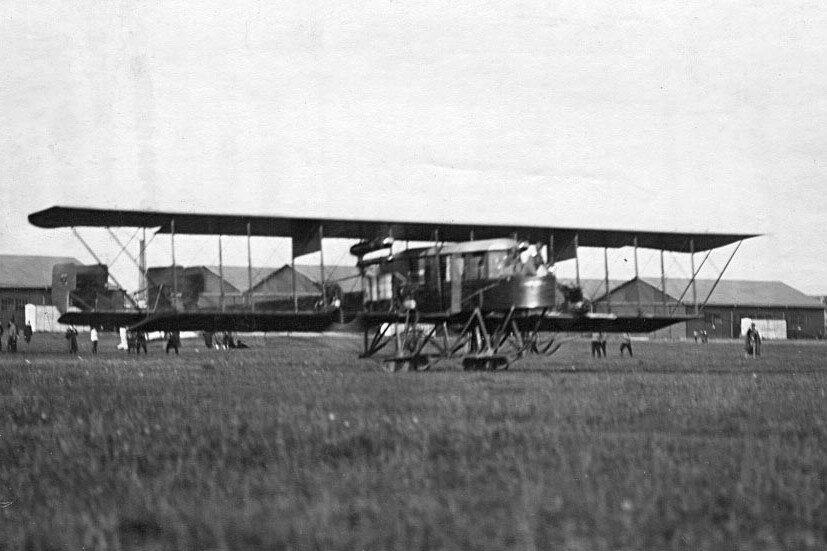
<point>140,342</point>
<point>626,344</point>
<point>93,335</point>
<point>753,342</point>
<point>172,341</point>
<point>72,337</point>
<point>597,344</point>
<point>27,333</point>
<point>12,342</point>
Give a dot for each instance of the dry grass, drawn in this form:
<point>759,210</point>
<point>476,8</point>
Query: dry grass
<point>297,444</point>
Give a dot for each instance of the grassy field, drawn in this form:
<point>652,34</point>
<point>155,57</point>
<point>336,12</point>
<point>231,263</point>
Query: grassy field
<point>295,443</point>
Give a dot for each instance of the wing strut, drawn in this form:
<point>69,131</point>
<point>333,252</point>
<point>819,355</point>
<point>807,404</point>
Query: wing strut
<point>321,264</point>
<point>122,246</point>
<point>250,272</point>
<point>637,279</point>
<point>692,283</point>
<point>577,258</point>
<point>662,283</point>
<point>220,274</point>
<point>174,270</point>
<point>721,274</point>
<point>692,266</point>
<point>606,273</point>
<point>98,260</point>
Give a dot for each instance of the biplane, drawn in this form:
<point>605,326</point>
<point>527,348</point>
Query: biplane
<point>482,294</point>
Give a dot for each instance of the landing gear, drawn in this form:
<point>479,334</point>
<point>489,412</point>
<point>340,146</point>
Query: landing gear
<point>483,343</point>
<point>406,363</point>
<point>485,363</point>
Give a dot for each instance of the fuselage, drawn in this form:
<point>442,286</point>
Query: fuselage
<point>493,274</point>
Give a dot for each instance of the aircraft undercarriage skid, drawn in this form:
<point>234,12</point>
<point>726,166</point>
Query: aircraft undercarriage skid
<point>490,343</point>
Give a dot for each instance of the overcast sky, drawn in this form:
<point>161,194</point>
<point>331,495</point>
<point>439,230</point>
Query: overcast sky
<point>694,116</point>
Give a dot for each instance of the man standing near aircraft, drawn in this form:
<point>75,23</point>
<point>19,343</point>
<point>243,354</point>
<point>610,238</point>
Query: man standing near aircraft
<point>27,333</point>
<point>753,342</point>
<point>597,344</point>
<point>72,337</point>
<point>626,344</point>
<point>12,342</point>
<point>140,342</point>
<point>93,335</point>
<point>172,341</point>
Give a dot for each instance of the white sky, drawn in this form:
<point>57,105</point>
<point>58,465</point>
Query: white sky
<point>694,116</point>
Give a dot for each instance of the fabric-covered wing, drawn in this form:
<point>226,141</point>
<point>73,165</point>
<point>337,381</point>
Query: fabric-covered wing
<point>552,322</point>
<point>205,321</point>
<point>239,321</point>
<point>287,226</point>
<point>102,318</point>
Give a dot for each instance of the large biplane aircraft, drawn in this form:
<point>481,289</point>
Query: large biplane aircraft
<point>483,294</point>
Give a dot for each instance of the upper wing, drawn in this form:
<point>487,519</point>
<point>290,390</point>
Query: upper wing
<point>563,238</point>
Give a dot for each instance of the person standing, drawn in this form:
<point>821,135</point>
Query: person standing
<point>140,342</point>
<point>753,342</point>
<point>93,335</point>
<point>172,341</point>
<point>626,344</point>
<point>72,337</point>
<point>12,339</point>
<point>597,346</point>
<point>27,333</point>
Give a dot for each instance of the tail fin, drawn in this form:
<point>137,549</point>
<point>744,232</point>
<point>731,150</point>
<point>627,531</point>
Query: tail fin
<point>76,286</point>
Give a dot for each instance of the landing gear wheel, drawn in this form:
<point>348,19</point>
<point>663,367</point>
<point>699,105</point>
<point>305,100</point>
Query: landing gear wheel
<point>395,366</point>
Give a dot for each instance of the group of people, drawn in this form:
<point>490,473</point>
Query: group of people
<point>13,333</point>
<point>599,344</point>
<point>224,341</point>
<point>135,340</point>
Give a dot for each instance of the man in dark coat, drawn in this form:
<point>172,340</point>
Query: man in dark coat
<point>172,341</point>
<point>752,343</point>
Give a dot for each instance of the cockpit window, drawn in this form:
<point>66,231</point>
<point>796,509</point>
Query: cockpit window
<point>499,264</point>
<point>474,267</point>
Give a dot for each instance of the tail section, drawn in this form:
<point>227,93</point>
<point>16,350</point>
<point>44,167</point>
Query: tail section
<point>77,287</point>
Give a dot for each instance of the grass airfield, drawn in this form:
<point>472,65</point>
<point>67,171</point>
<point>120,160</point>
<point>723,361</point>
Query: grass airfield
<point>296,443</point>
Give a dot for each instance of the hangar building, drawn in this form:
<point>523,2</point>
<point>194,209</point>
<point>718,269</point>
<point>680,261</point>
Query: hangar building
<point>201,287</point>
<point>729,301</point>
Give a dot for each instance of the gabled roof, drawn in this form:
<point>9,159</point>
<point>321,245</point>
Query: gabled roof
<point>739,292</point>
<point>332,273</point>
<point>28,271</point>
<point>346,276</point>
<point>728,292</point>
<point>238,276</point>
<point>593,289</point>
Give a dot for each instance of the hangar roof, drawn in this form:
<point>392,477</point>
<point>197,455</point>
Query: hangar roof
<point>740,292</point>
<point>728,292</point>
<point>29,271</point>
<point>237,275</point>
